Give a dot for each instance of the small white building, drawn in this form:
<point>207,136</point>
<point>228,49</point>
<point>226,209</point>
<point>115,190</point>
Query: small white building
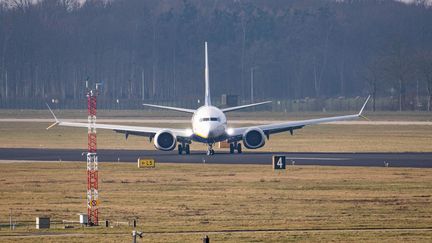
<point>83,218</point>
<point>43,222</point>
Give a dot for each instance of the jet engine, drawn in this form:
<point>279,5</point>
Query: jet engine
<point>165,140</point>
<point>254,138</point>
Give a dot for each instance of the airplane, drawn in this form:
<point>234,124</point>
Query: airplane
<point>209,126</point>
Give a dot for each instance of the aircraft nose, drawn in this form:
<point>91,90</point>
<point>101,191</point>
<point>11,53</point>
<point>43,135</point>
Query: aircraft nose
<point>205,131</point>
<point>210,130</point>
<point>213,130</point>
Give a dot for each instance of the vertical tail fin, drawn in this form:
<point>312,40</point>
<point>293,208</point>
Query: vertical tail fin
<point>207,100</point>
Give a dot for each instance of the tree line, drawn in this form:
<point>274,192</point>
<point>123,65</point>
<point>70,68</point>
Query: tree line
<point>154,49</point>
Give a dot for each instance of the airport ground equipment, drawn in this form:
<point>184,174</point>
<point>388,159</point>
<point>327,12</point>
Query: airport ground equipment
<point>92,160</point>
<point>279,162</point>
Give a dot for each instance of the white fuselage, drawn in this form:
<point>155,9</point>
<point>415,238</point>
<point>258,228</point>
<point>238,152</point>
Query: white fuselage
<point>209,123</point>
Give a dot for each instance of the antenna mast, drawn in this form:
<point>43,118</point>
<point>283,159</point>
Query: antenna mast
<point>92,159</point>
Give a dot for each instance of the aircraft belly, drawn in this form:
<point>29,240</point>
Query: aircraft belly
<point>200,139</point>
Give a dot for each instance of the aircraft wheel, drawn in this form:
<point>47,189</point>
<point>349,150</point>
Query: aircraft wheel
<point>232,148</point>
<point>180,149</point>
<point>239,148</point>
<point>187,149</point>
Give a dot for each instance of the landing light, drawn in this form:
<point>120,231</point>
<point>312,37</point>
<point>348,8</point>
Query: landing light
<point>230,131</point>
<point>189,132</point>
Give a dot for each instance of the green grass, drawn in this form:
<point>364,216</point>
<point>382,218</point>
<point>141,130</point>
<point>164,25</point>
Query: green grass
<point>183,197</point>
<point>177,198</point>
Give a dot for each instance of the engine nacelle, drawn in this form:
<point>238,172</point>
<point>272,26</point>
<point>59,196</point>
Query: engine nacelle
<point>254,138</point>
<point>165,140</point>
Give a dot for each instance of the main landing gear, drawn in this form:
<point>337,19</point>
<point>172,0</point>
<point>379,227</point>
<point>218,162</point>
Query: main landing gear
<point>235,146</point>
<point>210,150</point>
<point>183,148</point>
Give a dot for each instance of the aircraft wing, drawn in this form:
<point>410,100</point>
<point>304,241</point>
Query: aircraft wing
<point>127,130</point>
<point>293,125</point>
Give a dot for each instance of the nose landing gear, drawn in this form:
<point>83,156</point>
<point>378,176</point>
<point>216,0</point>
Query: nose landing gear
<point>210,150</point>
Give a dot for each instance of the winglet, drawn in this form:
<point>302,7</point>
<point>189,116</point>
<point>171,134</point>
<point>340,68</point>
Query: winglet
<point>367,119</point>
<point>56,120</point>
<point>364,105</point>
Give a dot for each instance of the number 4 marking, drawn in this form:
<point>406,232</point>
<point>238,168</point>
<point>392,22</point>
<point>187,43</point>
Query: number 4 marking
<point>279,163</point>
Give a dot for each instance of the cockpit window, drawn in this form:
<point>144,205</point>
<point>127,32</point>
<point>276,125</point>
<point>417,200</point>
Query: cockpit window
<point>209,119</point>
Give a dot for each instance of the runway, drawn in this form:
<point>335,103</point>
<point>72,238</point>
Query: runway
<point>417,160</point>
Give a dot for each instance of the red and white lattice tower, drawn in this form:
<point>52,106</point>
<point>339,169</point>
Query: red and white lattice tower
<point>92,161</point>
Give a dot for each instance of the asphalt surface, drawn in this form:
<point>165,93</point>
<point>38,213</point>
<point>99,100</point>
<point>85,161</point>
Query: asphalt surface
<point>418,160</point>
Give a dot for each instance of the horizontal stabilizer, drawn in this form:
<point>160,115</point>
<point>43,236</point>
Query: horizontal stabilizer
<point>170,108</point>
<point>244,106</point>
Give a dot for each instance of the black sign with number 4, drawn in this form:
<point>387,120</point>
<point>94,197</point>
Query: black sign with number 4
<point>279,162</point>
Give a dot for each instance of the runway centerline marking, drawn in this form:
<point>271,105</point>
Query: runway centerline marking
<point>312,158</point>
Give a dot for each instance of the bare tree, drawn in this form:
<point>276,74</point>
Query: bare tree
<point>303,48</point>
<point>399,69</point>
<point>372,74</point>
<point>424,66</point>
<point>18,4</point>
